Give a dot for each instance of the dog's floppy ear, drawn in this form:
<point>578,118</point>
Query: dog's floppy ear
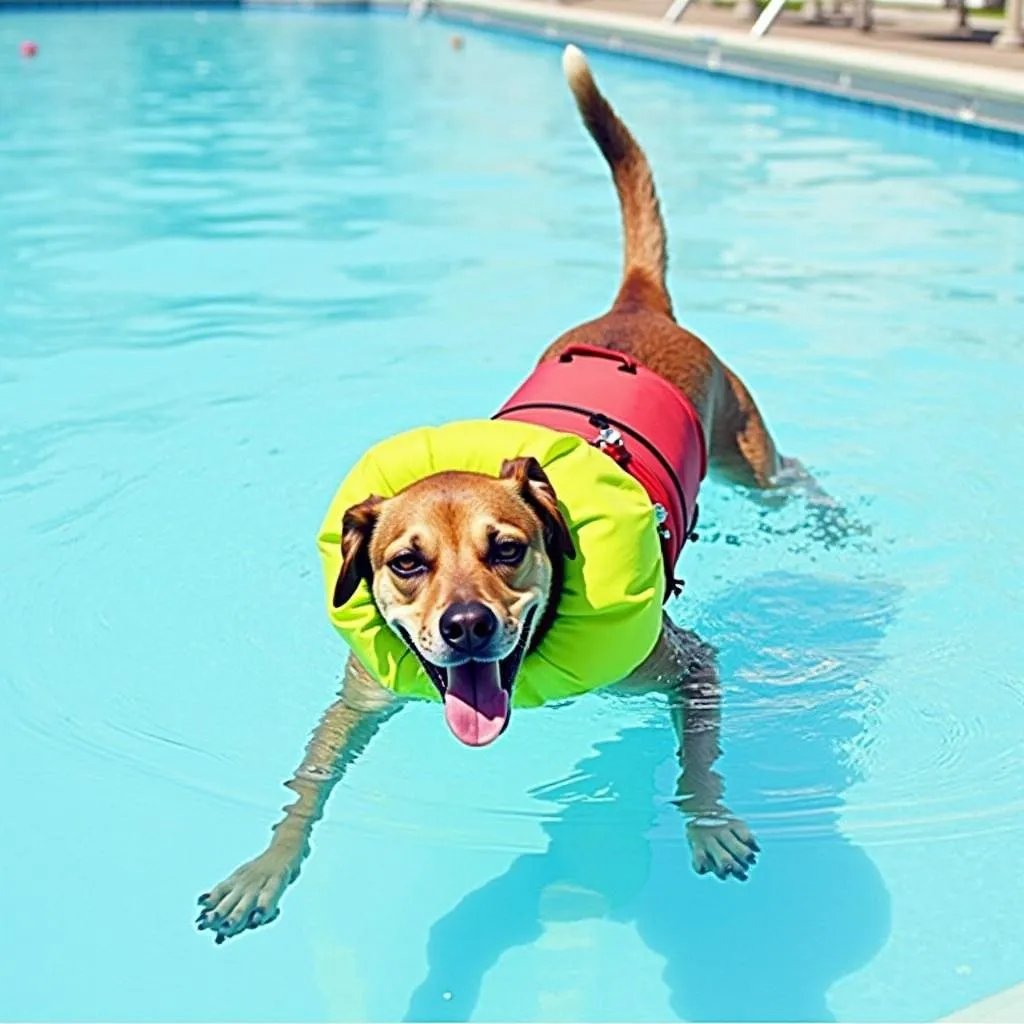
<point>536,490</point>
<point>356,529</point>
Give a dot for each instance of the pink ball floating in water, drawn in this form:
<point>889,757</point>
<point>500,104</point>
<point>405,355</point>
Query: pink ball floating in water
<point>29,49</point>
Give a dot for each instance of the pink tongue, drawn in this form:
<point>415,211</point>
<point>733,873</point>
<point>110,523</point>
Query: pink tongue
<point>475,705</point>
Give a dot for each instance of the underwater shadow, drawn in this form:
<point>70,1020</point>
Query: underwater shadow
<point>796,655</point>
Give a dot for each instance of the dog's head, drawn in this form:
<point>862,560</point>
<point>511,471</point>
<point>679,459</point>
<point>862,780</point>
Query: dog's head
<point>464,568</point>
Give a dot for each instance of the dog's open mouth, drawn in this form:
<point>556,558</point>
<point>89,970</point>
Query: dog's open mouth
<point>478,694</point>
<point>476,705</point>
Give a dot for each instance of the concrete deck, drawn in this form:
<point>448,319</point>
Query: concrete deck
<point>920,33</point>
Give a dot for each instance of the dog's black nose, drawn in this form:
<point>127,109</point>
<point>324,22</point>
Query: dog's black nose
<point>468,627</point>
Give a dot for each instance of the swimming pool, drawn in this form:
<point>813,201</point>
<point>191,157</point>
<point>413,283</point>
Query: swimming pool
<point>240,247</point>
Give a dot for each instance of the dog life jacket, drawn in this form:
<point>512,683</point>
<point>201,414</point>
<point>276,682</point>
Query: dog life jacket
<point>648,426</point>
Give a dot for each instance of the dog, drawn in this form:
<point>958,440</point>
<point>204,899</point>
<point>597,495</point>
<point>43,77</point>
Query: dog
<point>468,597</point>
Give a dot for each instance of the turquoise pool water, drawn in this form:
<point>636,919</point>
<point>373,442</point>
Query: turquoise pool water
<point>239,247</point>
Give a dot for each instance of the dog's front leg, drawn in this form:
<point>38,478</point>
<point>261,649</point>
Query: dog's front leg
<point>683,667</point>
<point>249,896</point>
<point>720,842</point>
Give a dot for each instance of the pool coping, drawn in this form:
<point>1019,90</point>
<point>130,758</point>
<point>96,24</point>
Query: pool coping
<point>967,98</point>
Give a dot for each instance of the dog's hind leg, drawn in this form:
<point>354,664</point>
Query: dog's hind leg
<point>742,450</point>
<point>740,446</point>
<point>249,897</point>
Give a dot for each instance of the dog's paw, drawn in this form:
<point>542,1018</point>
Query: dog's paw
<point>723,847</point>
<point>247,899</point>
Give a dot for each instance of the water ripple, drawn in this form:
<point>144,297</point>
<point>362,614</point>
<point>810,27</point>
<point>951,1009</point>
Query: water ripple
<point>269,263</point>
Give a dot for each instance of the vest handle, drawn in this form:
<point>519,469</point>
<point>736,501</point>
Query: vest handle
<point>628,365</point>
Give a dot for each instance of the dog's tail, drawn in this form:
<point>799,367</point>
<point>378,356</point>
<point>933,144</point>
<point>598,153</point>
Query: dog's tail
<point>643,229</point>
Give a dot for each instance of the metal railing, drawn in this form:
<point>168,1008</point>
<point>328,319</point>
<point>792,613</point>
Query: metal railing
<point>767,17</point>
<point>863,17</point>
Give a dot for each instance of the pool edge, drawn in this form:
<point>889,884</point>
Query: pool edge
<point>970,99</point>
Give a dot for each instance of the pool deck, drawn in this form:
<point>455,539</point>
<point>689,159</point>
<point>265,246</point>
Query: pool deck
<point>897,31</point>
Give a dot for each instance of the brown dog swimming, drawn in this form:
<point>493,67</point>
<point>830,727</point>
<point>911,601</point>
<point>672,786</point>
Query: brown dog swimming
<point>471,571</point>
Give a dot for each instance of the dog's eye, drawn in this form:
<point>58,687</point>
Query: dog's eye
<point>408,563</point>
<point>508,552</point>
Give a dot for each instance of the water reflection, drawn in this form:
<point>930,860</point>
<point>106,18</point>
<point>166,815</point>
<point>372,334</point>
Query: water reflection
<point>816,908</point>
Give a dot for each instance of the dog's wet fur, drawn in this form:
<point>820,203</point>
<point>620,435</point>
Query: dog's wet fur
<point>467,569</point>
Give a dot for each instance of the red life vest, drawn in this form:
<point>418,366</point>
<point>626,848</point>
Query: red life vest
<point>634,416</point>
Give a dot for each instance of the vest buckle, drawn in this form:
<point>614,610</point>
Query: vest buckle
<point>661,518</point>
<point>609,440</point>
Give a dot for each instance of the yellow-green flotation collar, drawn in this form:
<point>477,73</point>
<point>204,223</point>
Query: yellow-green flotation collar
<point>610,612</point>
